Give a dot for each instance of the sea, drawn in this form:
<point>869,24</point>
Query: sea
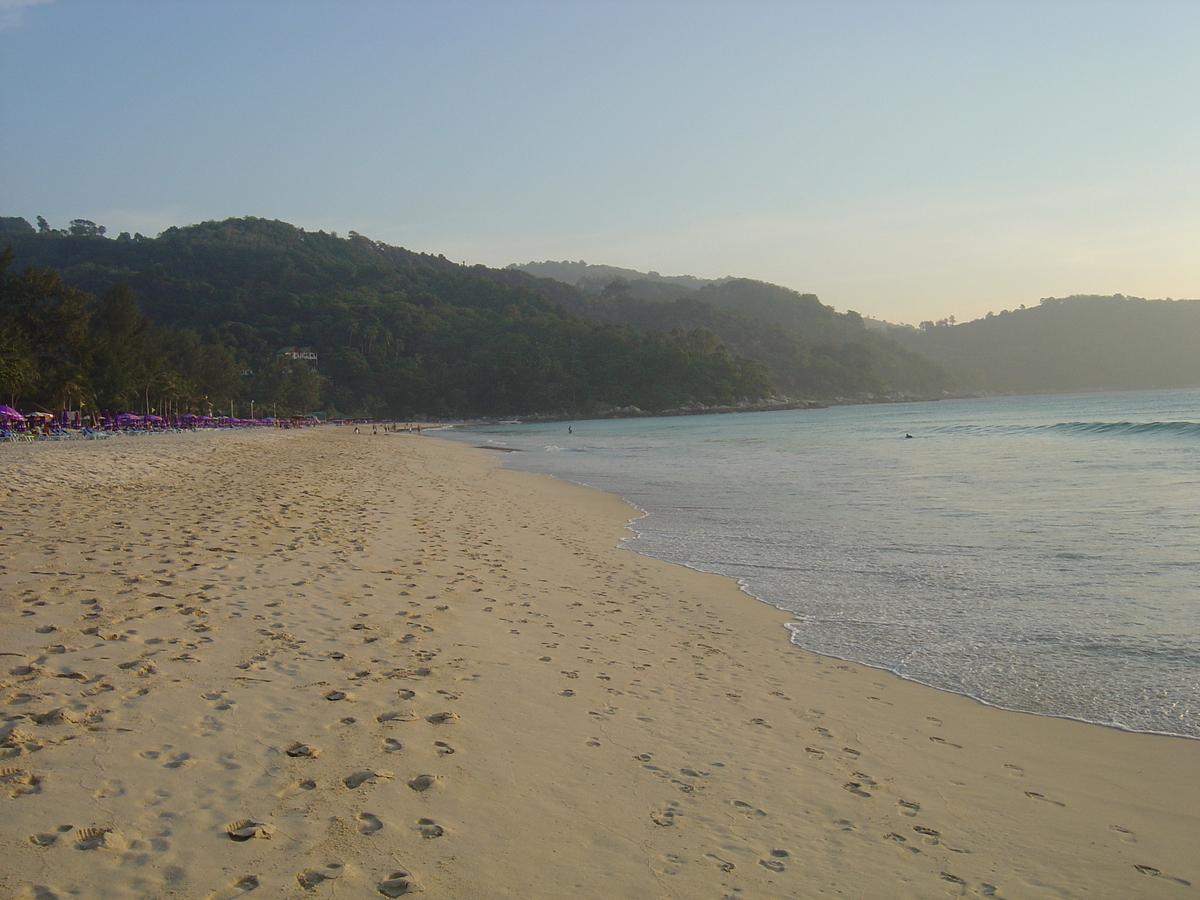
<point>1039,554</point>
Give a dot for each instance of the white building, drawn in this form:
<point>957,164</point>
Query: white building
<point>308,354</point>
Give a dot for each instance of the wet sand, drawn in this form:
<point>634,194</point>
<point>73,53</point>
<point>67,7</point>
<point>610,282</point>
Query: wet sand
<point>305,664</point>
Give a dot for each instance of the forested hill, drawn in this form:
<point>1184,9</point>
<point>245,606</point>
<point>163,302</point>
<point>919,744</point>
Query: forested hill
<point>810,349</point>
<point>397,333</point>
<point>1080,343</point>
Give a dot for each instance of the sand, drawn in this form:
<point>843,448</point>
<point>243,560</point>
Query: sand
<point>319,664</point>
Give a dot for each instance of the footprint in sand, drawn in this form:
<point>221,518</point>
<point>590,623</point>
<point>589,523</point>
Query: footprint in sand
<point>368,823</point>
<point>219,700</point>
<point>297,787</point>
<point>398,884</point>
<point>90,838</point>
<point>665,818</point>
<point>310,878</point>
<point>747,810</point>
<point>856,788</point>
<point>109,787</point>
<point>1034,795</point>
<point>422,783</point>
<point>391,745</point>
<point>722,864</point>
<point>1015,771</point>
<point>228,762</point>
<point>245,829</point>
<point>943,741</point>
<point>1156,873</point>
<point>908,807</point>
<point>398,715</point>
<point>178,761</point>
<point>443,749</point>
<point>429,829</point>
<point>1123,834</point>
<point>299,750</point>
<point>20,782</point>
<point>358,779</point>
<point>243,885</point>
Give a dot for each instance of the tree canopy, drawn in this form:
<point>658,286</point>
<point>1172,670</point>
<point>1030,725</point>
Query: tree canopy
<point>396,333</point>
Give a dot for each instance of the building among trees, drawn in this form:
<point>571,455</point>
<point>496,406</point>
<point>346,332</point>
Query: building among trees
<point>307,354</point>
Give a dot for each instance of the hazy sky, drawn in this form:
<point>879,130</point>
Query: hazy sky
<point>910,160</point>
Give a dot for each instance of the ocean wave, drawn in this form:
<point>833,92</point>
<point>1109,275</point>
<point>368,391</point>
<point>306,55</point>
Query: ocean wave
<point>1180,429</point>
<point>1164,429</point>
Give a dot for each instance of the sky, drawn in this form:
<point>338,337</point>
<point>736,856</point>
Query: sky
<point>911,159</point>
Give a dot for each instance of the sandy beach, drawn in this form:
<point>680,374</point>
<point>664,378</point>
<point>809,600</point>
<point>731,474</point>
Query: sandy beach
<point>320,664</point>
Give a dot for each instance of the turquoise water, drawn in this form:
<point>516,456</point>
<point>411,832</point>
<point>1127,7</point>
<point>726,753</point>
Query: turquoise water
<point>1036,553</point>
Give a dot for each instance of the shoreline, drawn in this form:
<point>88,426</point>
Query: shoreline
<point>865,548</point>
<point>524,709</point>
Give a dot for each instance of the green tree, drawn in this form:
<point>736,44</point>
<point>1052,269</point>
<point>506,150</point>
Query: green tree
<point>86,228</point>
<point>120,357</point>
<point>288,384</point>
<point>48,318</point>
<point>17,371</point>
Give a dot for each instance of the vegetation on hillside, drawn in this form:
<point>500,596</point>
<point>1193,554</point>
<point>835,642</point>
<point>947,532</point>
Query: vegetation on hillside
<point>397,333</point>
<point>810,350</point>
<point>62,348</point>
<point>195,319</point>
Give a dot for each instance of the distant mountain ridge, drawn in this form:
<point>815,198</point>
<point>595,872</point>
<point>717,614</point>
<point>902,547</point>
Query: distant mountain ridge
<point>1063,345</point>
